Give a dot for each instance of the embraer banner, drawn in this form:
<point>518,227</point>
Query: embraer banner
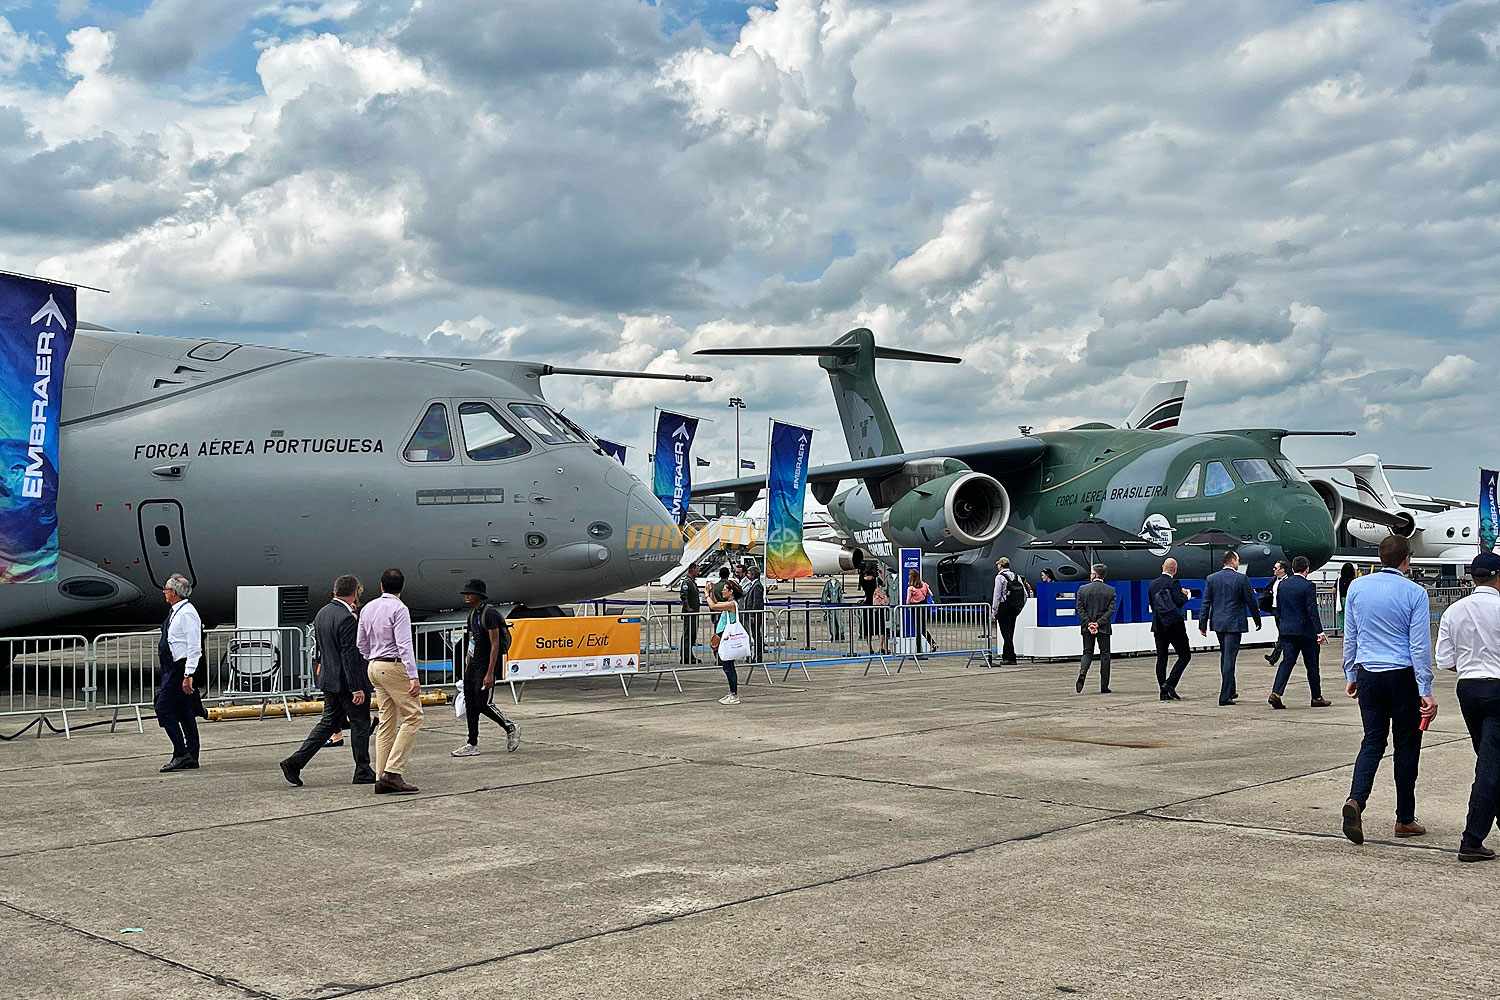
<point>786,492</point>
<point>672,463</point>
<point>36,330</point>
<point>1489,511</point>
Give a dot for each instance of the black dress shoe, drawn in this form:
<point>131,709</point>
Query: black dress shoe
<point>1226,704</point>
<point>1078,687</point>
<point>1354,827</point>
<point>1105,691</point>
<point>1477,853</point>
<point>1164,695</point>
<point>291,772</point>
<point>175,764</point>
<point>1172,693</point>
<point>1274,700</point>
<point>364,779</point>
<point>190,764</point>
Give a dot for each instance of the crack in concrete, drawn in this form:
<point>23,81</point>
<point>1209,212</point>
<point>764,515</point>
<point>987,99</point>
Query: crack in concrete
<point>622,929</point>
<point>391,802</point>
<point>213,977</point>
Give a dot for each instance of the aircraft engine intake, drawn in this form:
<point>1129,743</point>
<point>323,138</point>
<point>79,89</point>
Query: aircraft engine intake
<point>959,511</point>
<point>1332,499</point>
<point>1343,509</point>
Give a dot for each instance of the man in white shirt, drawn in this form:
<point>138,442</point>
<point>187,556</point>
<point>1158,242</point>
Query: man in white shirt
<point>1469,642</point>
<point>179,653</point>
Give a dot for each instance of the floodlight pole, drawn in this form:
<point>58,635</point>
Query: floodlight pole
<point>737,404</point>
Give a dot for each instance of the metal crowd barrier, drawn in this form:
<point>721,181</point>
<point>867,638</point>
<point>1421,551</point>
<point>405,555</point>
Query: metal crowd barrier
<point>46,675</point>
<point>262,665</point>
<point>872,635</point>
<point>678,643</point>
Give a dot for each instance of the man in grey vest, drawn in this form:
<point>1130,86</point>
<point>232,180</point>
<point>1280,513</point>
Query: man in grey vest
<point>1095,605</point>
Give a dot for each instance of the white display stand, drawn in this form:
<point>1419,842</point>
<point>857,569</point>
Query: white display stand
<point>1066,641</point>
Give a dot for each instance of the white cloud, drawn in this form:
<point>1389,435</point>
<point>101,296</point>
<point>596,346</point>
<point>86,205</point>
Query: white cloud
<point>18,50</point>
<point>1297,205</point>
<point>301,15</point>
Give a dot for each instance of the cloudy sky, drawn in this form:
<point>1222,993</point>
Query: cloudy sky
<point>1294,204</point>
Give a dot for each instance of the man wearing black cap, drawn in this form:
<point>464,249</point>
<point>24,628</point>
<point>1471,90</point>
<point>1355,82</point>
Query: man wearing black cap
<point>1469,642</point>
<point>487,640</point>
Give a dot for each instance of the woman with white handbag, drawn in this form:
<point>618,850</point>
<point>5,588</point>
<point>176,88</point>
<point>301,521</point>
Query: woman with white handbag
<point>730,640</point>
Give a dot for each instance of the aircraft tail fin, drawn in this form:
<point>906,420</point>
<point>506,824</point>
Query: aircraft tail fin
<point>850,363</point>
<point>1160,408</point>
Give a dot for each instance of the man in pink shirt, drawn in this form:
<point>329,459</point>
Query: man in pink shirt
<point>385,641</point>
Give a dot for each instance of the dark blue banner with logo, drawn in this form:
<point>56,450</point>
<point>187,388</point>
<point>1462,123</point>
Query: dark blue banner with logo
<point>1489,511</point>
<point>36,330</point>
<point>672,462</point>
<point>613,450</point>
<point>786,493</point>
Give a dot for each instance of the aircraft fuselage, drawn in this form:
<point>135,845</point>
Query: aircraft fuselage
<point>1138,481</point>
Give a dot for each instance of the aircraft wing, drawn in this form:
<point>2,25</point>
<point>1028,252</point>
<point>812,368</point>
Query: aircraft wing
<point>997,458</point>
<point>1421,501</point>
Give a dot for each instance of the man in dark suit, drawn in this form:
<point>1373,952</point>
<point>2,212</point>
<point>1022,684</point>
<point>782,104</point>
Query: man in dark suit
<point>1302,632</point>
<point>1169,626</point>
<point>692,604</point>
<point>1095,605</point>
<point>754,601</point>
<point>1227,600</point>
<point>342,673</point>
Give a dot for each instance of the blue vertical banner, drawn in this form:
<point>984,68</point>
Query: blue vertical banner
<point>613,450</point>
<point>672,462</point>
<point>907,561</point>
<point>36,330</point>
<point>786,494</point>
<point>1489,511</point>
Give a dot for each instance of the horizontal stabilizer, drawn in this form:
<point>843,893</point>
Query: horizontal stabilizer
<point>829,351</point>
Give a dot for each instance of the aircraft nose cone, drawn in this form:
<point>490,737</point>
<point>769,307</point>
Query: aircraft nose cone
<point>1308,531</point>
<point>652,543</point>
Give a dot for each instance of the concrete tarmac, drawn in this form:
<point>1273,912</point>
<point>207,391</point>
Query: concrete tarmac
<point>958,833</point>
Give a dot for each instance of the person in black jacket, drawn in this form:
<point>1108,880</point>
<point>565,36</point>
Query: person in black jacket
<point>1301,632</point>
<point>1169,625</point>
<point>343,676</point>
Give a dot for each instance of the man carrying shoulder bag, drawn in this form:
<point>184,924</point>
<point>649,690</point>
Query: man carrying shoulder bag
<point>487,640</point>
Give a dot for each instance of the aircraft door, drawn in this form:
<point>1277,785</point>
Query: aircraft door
<point>164,541</point>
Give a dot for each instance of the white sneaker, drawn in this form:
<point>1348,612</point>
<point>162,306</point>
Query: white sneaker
<point>730,699</point>
<point>467,750</point>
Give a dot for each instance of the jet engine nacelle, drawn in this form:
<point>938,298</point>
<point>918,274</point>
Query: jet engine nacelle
<point>1344,510</point>
<point>962,510</point>
<point>831,558</point>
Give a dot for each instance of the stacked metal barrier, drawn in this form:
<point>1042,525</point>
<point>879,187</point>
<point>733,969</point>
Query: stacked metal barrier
<point>63,675</point>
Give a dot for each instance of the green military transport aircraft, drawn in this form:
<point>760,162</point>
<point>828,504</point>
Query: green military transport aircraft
<point>967,505</point>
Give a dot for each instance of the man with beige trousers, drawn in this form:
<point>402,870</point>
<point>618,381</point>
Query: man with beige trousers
<point>385,641</point>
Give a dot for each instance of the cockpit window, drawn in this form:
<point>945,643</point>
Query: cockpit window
<point>488,437</point>
<point>1292,472</point>
<point>431,442</point>
<point>1256,470</point>
<point>1216,481</point>
<point>1189,487</point>
<point>545,424</point>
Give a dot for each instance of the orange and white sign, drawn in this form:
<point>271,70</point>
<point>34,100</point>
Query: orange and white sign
<point>572,647</point>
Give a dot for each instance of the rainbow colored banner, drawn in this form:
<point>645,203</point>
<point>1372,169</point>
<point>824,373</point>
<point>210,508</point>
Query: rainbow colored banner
<point>1489,511</point>
<point>786,492</point>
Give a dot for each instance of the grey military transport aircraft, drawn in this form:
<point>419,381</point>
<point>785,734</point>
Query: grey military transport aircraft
<point>240,465</point>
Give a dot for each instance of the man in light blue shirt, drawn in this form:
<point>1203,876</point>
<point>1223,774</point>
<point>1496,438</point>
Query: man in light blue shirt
<point>1388,666</point>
